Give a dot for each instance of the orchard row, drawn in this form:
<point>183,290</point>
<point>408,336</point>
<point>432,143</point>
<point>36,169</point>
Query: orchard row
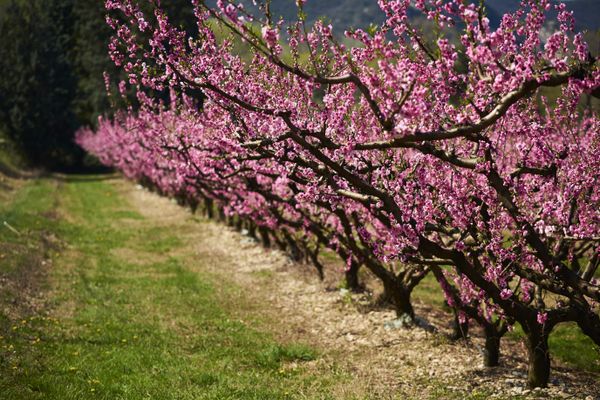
<point>407,150</point>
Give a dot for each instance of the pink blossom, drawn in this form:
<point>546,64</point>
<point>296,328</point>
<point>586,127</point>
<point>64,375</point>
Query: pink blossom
<point>270,35</point>
<point>506,294</point>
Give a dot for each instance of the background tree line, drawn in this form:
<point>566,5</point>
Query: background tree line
<point>53,54</point>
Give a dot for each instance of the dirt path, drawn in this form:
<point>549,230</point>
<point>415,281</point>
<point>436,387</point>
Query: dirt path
<point>387,363</point>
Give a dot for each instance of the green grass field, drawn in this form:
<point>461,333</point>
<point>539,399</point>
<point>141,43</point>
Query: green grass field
<point>143,329</point>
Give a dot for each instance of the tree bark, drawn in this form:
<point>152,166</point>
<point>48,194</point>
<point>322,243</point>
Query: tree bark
<point>589,323</point>
<point>352,280</point>
<point>538,357</point>
<point>264,235</point>
<point>281,243</point>
<point>491,351</point>
<point>400,297</point>
<point>193,205</point>
<point>460,330</point>
<point>208,204</point>
<point>252,230</point>
<point>403,304</point>
<point>314,257</point>
<point>293,249</point>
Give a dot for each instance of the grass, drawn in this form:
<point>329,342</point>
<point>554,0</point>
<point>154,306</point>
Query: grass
<point>428,291</point>
<point>21,230</point>
<point>133,329</point>
<point>569,345</point>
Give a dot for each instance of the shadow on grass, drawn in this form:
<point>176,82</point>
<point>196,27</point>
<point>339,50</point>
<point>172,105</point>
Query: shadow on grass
<point>94,173</point>
<point>72,178</point>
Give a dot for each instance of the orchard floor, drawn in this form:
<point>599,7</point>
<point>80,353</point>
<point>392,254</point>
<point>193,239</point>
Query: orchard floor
<point>108,291</point>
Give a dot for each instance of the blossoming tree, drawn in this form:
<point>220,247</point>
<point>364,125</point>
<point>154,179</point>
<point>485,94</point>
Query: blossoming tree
<point>438,154</point>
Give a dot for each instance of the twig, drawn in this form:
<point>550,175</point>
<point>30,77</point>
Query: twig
<point>10,228</point>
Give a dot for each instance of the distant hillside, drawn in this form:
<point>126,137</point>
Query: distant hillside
<point>361,13</point>
<point>587,12</point>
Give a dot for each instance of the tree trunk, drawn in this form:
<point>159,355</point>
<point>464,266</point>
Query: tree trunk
<point>400,297</point>
<point>252,230</point>
<point>538,358</point>
<point>352,280</point>
<point>589,323</point>
<point>491,351</point>
<point>314,256</point>
<point>221,214</point>
<point>210,212</point>
<point>460,329</point>
<point>403,304</point>
<point>281,244</point>
<point>193,205</point>
<point>264,235</point>
<point>239,224</point>
<point>293,249</point>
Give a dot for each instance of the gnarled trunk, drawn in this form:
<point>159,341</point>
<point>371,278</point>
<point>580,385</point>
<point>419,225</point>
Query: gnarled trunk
<point>403,304</point>
<point>221,214</point>
<point>293,249</point>
<point>538,357</point>
<point>460,330</point>
<point>314,257</point>
<point>252,230</point>
<point>264,235</point>
<point>400,298</point>
<point>281,243</point>
<point>590,325</point>
<point>491,351</point>
<point>352,280</point>
<point>239,224</point>
<point>193,205</point>
<point>208,204</point>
